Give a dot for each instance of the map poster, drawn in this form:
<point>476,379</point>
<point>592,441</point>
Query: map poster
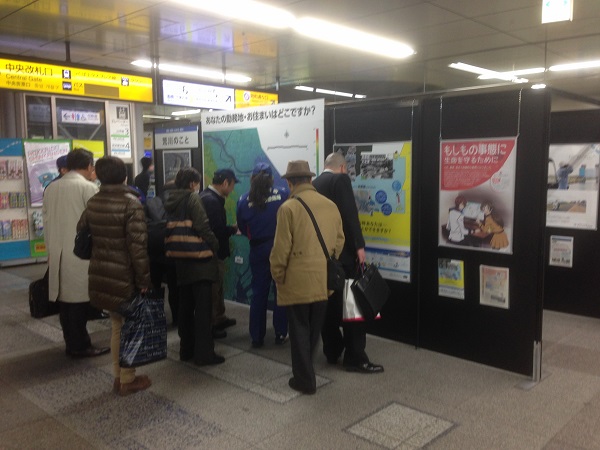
<point>381,179</point>
<point>41,159</point>
<point>477,193</point>
<point>237,140</point>
<point>451,278</point>
<point>493,283</point>
<point>573,173</point>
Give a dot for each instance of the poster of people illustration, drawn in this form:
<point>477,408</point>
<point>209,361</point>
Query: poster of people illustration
<point>477,188</point>
<point>381,180</point>
<point>573,174</point>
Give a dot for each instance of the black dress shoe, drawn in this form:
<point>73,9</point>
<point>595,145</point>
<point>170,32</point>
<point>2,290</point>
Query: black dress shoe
<point>89,352</point>
<point>219,334</point>
<point>295,386</point>
<point>364,368</point>
<point>228,322</point>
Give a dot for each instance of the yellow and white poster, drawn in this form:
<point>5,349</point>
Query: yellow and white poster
<point>381,179</point>
<point>451,278</point>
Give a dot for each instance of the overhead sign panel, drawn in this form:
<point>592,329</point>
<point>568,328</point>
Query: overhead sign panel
<point>246,99</point>
<point>65,80</point>
<point>196,95</point>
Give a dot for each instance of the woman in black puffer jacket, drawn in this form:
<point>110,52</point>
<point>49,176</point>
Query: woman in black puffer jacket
<point>119,265</point>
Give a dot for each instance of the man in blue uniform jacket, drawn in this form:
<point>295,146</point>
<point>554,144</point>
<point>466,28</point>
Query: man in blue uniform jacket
<point>335,184</point>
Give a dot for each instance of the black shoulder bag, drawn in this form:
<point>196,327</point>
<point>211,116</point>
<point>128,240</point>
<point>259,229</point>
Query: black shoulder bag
<point>335,271</point>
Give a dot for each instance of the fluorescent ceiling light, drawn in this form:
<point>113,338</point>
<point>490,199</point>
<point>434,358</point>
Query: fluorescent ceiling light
<point>195,71</point>
<point>557,10</point>
<point>338,93</point>
<point>512,74</point>
<point>538,86</point>
<point>487,73</point>
<point>360,96</point>
<point>186,112</point>
<point>142,63</point>
<point>348,37</point>
<point>305,88</point>
<point>244,10</point>
<point>575,66</point>
<point>152,116</point>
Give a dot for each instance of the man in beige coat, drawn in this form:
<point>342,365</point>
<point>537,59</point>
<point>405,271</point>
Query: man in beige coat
<point>64,201</point>
<point>299,268</point>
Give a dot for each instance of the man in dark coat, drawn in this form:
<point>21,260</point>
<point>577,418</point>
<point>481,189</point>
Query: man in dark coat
<point>213,198</point>
<point>142,180</point>
<point>335,184</point>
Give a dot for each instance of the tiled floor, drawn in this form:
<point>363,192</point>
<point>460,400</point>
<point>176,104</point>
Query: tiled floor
<point>423,399</point>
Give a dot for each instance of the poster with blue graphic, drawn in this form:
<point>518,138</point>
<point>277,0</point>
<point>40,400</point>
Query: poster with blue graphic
<point>381,179</point>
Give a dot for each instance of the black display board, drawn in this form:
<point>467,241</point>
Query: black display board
<point>384,122</point>
<point>415,314</point>
<point>575,290</point>
<point>498,337</point>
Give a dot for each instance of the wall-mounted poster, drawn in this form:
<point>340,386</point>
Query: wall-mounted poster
<point>381,179</point>
<point>120,130</point>
<point>573,186</point>
<point>239,139</point>
<point>451,278</point>
<point>41,159</point>
<point>477,190</point>
<point>561,251</point>
<point>493,284</point>
<point>173,161</point>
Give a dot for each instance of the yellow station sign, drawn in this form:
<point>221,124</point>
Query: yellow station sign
<point>64,80</point>
<point>245,99</point>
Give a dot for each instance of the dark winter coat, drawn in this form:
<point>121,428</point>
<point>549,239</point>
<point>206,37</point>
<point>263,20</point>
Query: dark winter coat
<point>189,270</point>
<point>119,265</point>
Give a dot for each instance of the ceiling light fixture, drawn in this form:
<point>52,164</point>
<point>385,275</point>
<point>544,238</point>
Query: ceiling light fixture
<point>244,10</point>
<point>538,86</point>
<point>487,73</point>
<point>329,92</point>
<point>348,37</point>
<point>186,112</point>
<point>337,93</point>
<point>557,10</point>
<point>153,116</point>
<point>195,72</point>
<point>512,74</point>
<point>575,66</point>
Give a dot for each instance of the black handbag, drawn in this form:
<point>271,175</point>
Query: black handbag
<point>182,241</point>
<point>144,333</point>
<point>39,301</point>
<point>335,271</point>
<point>83,243</point>
<point>370,291</point>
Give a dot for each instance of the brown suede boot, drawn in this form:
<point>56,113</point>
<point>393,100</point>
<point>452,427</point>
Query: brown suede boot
<point>140,383</point>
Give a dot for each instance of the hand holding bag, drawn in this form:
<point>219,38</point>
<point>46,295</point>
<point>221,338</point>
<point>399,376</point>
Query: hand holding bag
<point>83,243</point>
<point>144,333</point>
<point>335,271</point>
<point>370,291</point>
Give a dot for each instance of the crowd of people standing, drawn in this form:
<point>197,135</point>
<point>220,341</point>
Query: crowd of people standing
<point>285,258</point>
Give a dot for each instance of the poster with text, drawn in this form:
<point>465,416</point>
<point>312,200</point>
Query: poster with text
<point>120,130</point>
<point>451,278</point>
<point>381,179</point>
<point>174,161</point>
<point>237,140</point>
<point>561,251</point>
<point>477,193</point>
<point>493,282</point>
<point>41,159</point>
<point>572,200</point>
